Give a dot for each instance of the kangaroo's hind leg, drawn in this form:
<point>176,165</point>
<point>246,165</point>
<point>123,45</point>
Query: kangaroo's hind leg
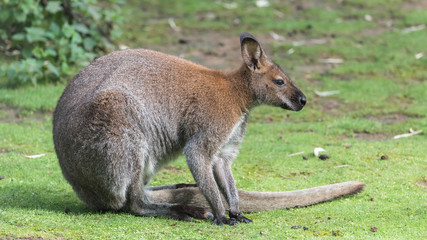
<point>129,150</point>
<point>139,204</point>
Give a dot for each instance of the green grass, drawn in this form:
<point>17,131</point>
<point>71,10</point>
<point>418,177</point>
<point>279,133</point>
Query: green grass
<point>32,98</point>
<point>383,92</point>
<point>34,194</point>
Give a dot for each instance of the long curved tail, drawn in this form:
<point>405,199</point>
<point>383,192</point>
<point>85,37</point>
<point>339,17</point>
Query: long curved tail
<point>257,201</point>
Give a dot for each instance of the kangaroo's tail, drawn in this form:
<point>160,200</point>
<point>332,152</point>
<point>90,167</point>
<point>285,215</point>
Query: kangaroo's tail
<point>189,194</point>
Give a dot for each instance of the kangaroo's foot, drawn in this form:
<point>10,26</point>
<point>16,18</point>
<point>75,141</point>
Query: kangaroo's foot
<point>224,220</point>
<point>239,217</point>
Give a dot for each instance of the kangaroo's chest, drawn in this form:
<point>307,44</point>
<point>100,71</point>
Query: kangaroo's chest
<point>230,148</point>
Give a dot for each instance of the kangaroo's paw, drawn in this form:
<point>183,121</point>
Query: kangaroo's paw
<point>239,217</point>
<point>224,220</point>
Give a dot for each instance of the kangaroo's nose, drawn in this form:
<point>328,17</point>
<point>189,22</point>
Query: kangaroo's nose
<point>302,100</point>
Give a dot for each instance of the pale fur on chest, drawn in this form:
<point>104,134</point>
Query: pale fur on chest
<point>230,148</point>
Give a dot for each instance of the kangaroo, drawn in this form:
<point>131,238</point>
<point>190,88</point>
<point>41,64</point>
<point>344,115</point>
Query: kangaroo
<point>129,113</point>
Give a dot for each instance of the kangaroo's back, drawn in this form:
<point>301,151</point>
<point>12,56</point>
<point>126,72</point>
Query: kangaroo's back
<point>137,71</point>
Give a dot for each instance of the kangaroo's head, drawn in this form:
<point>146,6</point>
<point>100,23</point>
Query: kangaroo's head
<point>268,81</point>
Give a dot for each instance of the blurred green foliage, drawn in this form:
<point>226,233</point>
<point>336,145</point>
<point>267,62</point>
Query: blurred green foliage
<point>42,40</point>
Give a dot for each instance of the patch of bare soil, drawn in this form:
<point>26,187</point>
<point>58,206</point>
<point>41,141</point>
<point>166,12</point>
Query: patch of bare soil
<point>371,32</point>
<point>384,24</point>
<point>422,183</point>
<point>3,150</point>
<point>414,5</point>
<point>24,238</point>
<point>302,5</point>
<point>10,114</point>
<point>221,50</point>
<point>314,68</point>
<point>217,50</point>
<point>332,106</point>
<point>365,136</point>
<point>390,118</point>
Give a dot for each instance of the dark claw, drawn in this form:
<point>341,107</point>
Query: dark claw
<point>224,220</point>
<point>239,217</point>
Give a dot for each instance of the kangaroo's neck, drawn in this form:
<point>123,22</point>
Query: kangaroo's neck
<point>239,79</point>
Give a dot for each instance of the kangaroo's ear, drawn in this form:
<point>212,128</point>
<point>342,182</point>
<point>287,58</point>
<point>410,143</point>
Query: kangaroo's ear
<point>252,53</point>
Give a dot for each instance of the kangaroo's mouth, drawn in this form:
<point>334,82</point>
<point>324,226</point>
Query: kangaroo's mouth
<point>298,108</point>
<point>294,107</point>
<point>286,107</point>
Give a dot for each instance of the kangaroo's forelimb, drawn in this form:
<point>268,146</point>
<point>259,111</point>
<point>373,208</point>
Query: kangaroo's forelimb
<point>258,201</point>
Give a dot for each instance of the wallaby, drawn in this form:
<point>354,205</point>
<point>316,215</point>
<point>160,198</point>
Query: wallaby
<point>127,114</point>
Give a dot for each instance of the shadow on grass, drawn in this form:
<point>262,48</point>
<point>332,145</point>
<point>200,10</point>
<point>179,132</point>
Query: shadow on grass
<point>62,201</point>
<point>41,198</point>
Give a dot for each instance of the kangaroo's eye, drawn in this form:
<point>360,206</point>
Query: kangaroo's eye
<point>279,82</point>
